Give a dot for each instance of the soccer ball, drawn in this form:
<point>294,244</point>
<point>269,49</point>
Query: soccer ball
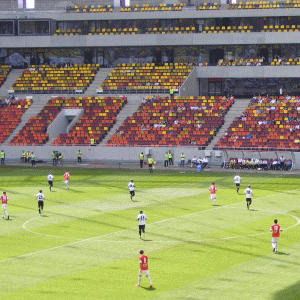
<point>155,162</point>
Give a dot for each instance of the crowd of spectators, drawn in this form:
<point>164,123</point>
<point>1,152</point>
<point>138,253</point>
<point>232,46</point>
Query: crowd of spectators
<point>10,100</point>
<point>194,162</point>
<point>259,164</point>
<point>242,62</point>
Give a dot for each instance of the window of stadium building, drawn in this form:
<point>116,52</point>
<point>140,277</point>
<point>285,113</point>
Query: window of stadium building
<point>247,87</point>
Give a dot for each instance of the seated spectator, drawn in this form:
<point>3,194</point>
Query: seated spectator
<point>194,161</point>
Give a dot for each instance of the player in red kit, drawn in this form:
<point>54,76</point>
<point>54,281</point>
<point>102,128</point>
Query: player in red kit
<point>4,200</point>
<point>275,228</point>
<point>144,269</point>
<point>66,177</point>
<point>213,195</point>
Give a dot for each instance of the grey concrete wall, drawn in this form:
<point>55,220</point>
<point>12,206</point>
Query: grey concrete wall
<point>255,38</point>
<point>118,154</point>
<point>131,154</point>
<point>78,114</point>
<point>248,72</point>
<point>58,125</point>
<point>191,85</point>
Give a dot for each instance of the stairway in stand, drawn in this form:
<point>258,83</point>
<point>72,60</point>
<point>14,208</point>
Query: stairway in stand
<point>236,110</point>
<point>39,101</point>
<point>133,103</point>
<point>10,80</point>
<point>99,78</point>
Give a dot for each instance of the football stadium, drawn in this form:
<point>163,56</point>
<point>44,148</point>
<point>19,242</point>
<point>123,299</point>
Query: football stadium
<point>150,149</point>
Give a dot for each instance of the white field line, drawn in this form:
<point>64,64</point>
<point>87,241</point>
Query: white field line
<point>94,238</point>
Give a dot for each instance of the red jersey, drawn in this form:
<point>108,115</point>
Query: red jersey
<point>143,262</point>
<point>212,189</point>
<point>4,199</point>
<point>67,175</point>
<point>275,230</point>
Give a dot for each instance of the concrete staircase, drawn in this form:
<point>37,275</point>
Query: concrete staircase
<point>39,101</point>
<point>133,102</point>
<point>10,80</point>
<point>99,78</point>
<point>236,110</point>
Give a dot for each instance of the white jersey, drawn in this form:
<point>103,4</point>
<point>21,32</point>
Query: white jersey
<point>237,179</point>
<point>142,219</point>
<point>248,193</point>
<point>50,177</point>
<point>131,186</point>
<point>40,197</point>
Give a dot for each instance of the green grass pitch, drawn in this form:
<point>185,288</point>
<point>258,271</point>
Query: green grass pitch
<point>86,245</point>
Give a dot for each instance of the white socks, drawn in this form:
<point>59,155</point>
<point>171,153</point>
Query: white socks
<point>148,277</point>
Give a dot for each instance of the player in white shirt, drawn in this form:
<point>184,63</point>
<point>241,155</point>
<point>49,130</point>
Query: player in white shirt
<point>142,223</point>
<point>50,180</point>
<point>131,187</point>
<point>40,196</point>
<point>237,180</point>
<point>249,195</point>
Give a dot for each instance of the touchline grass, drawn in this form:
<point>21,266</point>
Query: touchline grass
<point>86,244</point>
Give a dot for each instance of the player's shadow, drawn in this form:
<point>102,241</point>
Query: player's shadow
<point>148,288</point>
<point>252,209</point>
<point>44,216</point>
<point>147,240</point>
<point>282,253</point>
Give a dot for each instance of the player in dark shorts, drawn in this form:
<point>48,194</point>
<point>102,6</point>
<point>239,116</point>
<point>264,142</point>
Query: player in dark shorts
<point>40,197</point>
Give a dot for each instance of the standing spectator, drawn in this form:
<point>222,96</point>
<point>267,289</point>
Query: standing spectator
<point>2,156</point>
<point>32,157</point>
<point>150,164</point>
<point>54,159</point>
<point>141,157</point>
<point>79,155</point>
<point>170,158</point>
<point>182,160</point>
<point>166,160</point>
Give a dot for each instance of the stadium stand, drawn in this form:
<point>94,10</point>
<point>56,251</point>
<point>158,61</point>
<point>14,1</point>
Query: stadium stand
<point>178,121</point>
<point>90,8</point>
<point>265,4</point>
<point>100,114</point>
<point>209,6</point>
<point>51,79</point>
<point>241,62</point>
<point>281,28</point>
<point>10,117</point>
<point>269,123</point>
<point>132,77</point>
<point>166,30</point>
<point>285,61</point>
<point>148,7</point>
<point>227,29</point>
<point>4,71</point>
<point>113,31</point>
